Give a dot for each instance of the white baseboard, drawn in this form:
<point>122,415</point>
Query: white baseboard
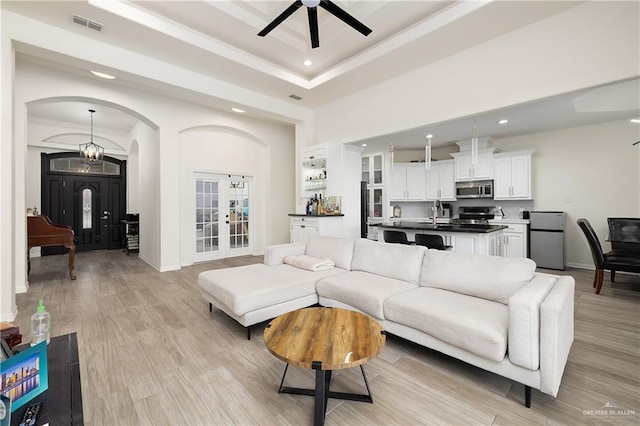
<point>10,317</point>
<point>158,267</point>
<point>581,266</point>
<point>22,288</point>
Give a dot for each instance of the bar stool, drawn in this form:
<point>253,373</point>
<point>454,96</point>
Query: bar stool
<point>397,237</point>
<point>430,241</point>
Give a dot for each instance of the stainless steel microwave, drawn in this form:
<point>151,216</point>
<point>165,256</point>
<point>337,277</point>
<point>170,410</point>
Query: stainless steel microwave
<point>474,189</point>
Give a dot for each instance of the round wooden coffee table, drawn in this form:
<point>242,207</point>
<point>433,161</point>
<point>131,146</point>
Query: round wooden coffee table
<point>324,339</point>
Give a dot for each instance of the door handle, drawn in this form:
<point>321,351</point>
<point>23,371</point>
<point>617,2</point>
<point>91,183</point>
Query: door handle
<point>104,217</point>
<point>226,221</point>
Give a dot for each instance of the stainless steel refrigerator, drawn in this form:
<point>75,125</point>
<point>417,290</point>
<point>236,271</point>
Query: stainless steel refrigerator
<point>546,239</point>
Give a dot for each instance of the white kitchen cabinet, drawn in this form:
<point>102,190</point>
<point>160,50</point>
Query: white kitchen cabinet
<point>440,181</point>
<point>304,226</point>
<point>408,182</point>
<point>514,239</point>
<point>315,152</point>
<point>373,168</point>
<point>512,175</point>
<point>464,170</point>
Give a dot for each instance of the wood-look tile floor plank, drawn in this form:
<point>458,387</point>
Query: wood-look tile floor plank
<point>151,353</point>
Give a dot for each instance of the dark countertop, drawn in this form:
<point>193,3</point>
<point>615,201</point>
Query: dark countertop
<point>442,227</point>
<point>314,215</point>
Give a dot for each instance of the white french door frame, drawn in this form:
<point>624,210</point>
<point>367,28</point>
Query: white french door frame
<point>224,223</point>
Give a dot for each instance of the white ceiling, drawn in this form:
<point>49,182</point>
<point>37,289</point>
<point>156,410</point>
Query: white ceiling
<point>219,39</point>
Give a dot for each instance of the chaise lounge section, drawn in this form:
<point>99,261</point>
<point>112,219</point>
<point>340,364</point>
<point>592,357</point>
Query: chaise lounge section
<point>492,312</point>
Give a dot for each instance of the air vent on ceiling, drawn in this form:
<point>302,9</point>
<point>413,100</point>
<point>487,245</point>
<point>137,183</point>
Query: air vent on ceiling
<point>296,97</point>
<point>86,22</point>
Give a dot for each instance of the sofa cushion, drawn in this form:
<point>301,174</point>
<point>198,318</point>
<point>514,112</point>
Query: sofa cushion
<point>340,250</point>
<point>247,288</point>
<point>476,325</point>
<point>362,290</point>
<point>402,262</point>
<point>489,277</point>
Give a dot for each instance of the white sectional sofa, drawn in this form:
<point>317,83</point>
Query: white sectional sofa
<point>492,312</point>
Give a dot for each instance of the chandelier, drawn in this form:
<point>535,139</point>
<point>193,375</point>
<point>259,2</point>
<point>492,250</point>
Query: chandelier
<point>91,153</point>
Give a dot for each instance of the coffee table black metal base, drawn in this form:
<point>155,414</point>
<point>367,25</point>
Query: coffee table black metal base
<point>322,392</point>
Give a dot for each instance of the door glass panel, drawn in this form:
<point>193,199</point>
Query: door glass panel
<point>377,203</point>
<point>207,193</point>
<point>377,169</point>
<point>76,165</point>
<point>238,214</point>
<point>365,169</point>
<point>86,209</point>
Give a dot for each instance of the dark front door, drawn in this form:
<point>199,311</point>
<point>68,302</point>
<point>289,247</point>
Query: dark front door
<point>88,201</point>
<point>91,203</point>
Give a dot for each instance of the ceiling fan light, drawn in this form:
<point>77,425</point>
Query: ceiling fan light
<point>311,3</point>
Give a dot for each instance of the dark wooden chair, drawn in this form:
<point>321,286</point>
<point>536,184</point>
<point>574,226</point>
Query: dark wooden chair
<point>396,237</point>
<point>430,241</point>
<point>610,260</point>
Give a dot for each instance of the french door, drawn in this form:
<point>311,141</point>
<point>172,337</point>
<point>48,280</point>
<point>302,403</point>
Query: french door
<point>222,212</point>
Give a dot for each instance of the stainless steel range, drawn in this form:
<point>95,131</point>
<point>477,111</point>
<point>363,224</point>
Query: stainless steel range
<point>474,215</point>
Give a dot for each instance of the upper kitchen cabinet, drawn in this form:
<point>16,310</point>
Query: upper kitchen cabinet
<point>512,175</point>
<point>440,181</point>
<point>465,170</point>
<point>408,182</point>
<point>315,152</point>
<point>373,168</point>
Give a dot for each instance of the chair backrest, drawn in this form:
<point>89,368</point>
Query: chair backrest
<point>594,243</point>
<point>397,237</point>
<point>430,241</point>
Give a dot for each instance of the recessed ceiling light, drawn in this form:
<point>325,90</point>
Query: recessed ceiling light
<point>364,144</point>
<point>307,63</point>
<point>238,110</point>
<point>429,136</point>
<point>503,121</point>
<point>102,75</point>
<point>635,120</point>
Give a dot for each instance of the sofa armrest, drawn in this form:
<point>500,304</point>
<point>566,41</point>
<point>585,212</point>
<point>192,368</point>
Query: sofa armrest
<point>524,321</point>
<point>556,334</point>
<point>274,255</point>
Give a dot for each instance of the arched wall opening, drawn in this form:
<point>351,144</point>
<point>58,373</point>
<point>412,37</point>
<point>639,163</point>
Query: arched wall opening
<point>219,149</point>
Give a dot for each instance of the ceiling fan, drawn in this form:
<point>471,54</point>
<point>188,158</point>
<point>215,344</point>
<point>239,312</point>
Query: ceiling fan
<point>312,11</point>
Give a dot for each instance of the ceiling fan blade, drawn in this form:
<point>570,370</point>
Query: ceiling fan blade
<point>284,15</point>
<point>313,26</point>
<point>339,13</point>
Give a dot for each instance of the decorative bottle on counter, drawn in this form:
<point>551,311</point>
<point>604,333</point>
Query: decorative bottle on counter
<point>40,325</point>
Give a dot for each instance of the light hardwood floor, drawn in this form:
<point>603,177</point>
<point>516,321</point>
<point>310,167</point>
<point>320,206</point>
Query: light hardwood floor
<point>152,353</point>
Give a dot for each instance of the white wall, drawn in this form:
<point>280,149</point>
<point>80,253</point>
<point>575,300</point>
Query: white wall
<point>588,171</point>
<point>587,45</point>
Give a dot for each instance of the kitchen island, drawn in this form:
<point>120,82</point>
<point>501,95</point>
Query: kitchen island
<point>467,238</point>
